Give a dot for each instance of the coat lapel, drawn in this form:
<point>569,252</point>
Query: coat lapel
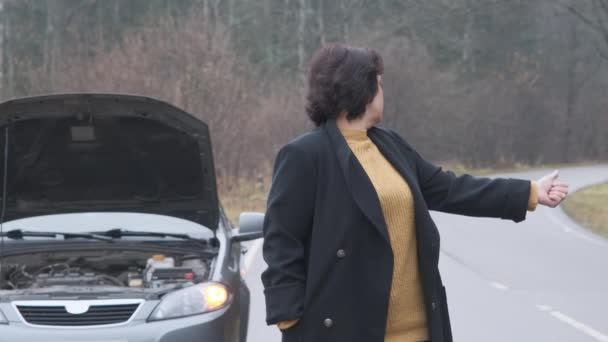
<point>357,181</point>
<point>397,158</point>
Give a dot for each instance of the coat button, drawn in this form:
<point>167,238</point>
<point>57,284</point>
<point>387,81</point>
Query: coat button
<point>341,253</point>
<point>433,305</point>
<point>328,323</point>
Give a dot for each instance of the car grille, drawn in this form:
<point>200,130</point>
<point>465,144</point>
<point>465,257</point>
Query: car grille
<point>96,315</point>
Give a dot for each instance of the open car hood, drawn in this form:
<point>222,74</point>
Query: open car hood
<point>106,153</point>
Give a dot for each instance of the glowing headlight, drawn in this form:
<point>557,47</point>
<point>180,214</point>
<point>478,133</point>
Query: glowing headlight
<point>196,299</point>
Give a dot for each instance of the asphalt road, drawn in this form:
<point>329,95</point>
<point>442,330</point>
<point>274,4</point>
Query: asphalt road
<point>544,279</point>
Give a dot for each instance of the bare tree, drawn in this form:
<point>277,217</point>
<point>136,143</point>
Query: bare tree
<point>1,46</point>
<point>321,22</point>
<point>594,14</point>
<point>468,80</point>
<point>7,67</point>
<point>302,16</point>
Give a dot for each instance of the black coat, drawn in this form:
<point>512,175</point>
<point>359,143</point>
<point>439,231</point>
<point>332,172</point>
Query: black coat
<point>326,243</point>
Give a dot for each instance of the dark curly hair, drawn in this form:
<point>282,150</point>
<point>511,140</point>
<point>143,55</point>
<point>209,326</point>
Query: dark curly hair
<point>342,79</point>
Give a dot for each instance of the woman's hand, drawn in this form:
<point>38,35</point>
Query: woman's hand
<point>551,192</point>
<point>284,325</point>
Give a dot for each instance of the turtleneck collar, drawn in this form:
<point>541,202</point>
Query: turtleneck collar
<point>354,134</point>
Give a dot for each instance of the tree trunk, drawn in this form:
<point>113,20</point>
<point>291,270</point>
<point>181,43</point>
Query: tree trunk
<point>468,59</point>
<point>206,9</point>
<point>216,9</point>
<point>230,14</point>
<point>54,11</point>
<point>302,37</point>
<point>572,90</point>
<point>345,26</point>
<point>8,70</point>
<point>100,26</point>
<point>321,22</point>
<point>2,50</point>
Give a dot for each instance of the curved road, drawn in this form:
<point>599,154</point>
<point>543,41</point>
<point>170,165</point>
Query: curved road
<point>544,279</point>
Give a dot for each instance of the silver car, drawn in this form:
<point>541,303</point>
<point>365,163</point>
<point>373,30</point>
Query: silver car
<point>111,228</point>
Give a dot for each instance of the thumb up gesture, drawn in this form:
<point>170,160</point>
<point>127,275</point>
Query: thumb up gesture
<point>551,191</point>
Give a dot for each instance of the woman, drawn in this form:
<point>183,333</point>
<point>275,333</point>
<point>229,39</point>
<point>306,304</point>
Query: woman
<point>352,251</point>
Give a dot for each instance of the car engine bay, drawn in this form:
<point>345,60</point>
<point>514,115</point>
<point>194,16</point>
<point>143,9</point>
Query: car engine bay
<point>70,270</point>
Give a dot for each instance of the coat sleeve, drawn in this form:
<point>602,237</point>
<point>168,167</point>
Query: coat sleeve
<point>287,226</point>
<point>504,198</point>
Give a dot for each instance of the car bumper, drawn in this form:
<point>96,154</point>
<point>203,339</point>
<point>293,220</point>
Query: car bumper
<point>218,326</point>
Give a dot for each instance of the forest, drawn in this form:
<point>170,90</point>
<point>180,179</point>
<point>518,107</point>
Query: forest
<point>485,83</point>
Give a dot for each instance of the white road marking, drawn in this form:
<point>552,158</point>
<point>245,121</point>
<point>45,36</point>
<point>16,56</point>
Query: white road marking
<point>587,238</point>
<point>252,251</point>
<point>568,229</point>
<point>499,286</point>
<point>589,331</point>
<point>564,226</point>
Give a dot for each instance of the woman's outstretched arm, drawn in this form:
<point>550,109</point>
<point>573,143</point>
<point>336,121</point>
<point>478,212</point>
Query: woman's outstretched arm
<point>505,198</point>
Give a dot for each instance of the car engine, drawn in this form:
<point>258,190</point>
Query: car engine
<point>134,269</point>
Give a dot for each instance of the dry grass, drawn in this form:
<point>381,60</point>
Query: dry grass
<point>589,207</point>
<point>460,169</point>
<point>240,194</point>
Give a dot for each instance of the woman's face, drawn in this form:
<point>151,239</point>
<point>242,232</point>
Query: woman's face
<point>374,109</point>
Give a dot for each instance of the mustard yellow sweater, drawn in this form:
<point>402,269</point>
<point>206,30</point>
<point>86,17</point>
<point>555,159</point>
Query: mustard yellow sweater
<point>406,319</point>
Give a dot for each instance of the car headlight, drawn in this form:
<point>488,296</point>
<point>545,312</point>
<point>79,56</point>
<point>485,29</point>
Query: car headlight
<point>3,319</point>
<point>193,300</point>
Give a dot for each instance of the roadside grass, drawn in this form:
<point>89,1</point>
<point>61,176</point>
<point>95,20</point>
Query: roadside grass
<point>589,207</point>
<point>246,194</point>
<point>459,168</point>
<point>242,194</point>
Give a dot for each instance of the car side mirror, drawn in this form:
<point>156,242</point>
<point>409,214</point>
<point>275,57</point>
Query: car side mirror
<point>250,227</point>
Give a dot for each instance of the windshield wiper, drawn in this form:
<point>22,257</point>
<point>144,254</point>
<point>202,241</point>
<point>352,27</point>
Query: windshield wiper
<point>118,233</point>
<point>107,236</point>
<point>18,234</point>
